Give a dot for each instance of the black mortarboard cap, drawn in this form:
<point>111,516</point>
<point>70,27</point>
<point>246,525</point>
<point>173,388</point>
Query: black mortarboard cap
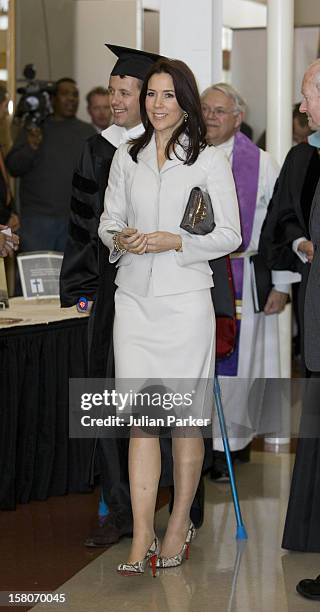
<point>132,62</point>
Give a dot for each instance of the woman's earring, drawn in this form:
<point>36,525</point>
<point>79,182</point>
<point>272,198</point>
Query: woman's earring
<point>186,116</point>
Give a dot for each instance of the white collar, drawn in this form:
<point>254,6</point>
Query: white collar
<point>227,145</point>
<point>227,148</point>
<point>118,135</point>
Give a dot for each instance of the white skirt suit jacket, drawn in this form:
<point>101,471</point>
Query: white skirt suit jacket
<point>164,321</point>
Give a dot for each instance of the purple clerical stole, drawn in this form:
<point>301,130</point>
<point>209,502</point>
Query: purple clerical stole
<point>245,168</point>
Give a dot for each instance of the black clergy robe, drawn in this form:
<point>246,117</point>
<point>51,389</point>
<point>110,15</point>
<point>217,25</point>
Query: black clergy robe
<point>288,212</point>
<point>288,219</point>
<point>288,216</point>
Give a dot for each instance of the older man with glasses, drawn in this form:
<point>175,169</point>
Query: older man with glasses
<point>256,354</point>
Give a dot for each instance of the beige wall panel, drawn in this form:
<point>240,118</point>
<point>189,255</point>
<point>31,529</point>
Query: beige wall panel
<point>151,31</point>
<point>307,13</point>
<point>97,22</point>
<point>45,46</point>
<point>252,83</point>
<point>3,40</point>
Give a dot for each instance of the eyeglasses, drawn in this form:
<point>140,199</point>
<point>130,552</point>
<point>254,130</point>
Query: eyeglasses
<point>218,111</point>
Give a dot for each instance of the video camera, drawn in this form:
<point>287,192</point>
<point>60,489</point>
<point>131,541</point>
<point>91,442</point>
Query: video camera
<point>34,105</point>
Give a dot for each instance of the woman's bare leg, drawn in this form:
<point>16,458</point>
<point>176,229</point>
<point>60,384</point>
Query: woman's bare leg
<point>144,475</point>
<point>188,454</point>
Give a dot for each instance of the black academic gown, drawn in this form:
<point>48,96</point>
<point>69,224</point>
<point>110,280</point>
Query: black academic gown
<point>80,273</point>
<point>86,272</point>
<point>288,219</point>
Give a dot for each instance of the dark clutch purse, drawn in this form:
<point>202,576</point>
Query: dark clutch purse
<point>198,216</point>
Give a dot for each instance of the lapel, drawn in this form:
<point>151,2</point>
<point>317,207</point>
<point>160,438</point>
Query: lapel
<point>175,161</point>
<point>315,203</point>
<point>148,156</point>
<point>306,173</point>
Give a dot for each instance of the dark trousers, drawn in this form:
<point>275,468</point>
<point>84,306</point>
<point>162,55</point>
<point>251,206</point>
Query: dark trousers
<point>302,526</point>
<point>43,233</point>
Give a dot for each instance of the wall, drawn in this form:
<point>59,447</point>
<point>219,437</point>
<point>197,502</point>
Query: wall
<point>77,31</point>
<point>252,83</point>
<point>151,31</point>
<point>185,33</point>
<point>244,14</point>
<point>97,22</point>
<point>56,50</point>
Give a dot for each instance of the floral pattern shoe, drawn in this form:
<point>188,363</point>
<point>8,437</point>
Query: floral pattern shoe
<point>183,554</point>
<point>138,568</point>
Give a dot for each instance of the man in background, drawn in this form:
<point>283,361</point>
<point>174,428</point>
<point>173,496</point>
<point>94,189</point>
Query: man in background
<point>300,129</point>
<point>99,109</point>
<point>8,216</point>
<point>256,353</point>
<point>296,236</point>
<point>44,158</point>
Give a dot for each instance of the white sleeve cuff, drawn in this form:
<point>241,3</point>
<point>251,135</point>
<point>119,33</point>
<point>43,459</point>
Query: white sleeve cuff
<point>283,288</point>
<point>114,256</point>
<point>295,246</point>
<point>284,277</point>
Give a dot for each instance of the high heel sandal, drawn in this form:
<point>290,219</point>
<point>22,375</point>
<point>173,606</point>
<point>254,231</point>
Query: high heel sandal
<point>138,568</point>
<point>183,554</point>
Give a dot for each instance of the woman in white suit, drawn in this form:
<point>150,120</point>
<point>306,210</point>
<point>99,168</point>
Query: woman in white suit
<point>164,323</point>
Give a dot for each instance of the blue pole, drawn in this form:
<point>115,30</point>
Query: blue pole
<point>241,533</point>
<point>103,508</point>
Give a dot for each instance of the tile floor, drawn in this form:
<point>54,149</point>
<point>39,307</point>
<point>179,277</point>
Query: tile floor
<point>255,577</point>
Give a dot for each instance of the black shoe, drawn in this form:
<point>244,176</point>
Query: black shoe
<point>309,588</point>
<point>242,455</point>
<point>109,530</point>
<point>197,508</point>
<point>219,470</point>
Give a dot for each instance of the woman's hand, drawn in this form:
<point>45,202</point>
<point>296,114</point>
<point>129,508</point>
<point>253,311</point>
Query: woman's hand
<point>8,244</point>
<point>14,222</point>
<point>132,241</point>
<point>158,242</point>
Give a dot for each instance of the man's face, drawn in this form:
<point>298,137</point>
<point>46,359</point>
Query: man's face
<point>100,111</point>
<point>311,100</point>
<point>124,101</point>
<point>220,117</point>
<point>66,100</point>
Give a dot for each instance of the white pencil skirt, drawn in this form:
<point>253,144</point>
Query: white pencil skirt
<point>169,338</point>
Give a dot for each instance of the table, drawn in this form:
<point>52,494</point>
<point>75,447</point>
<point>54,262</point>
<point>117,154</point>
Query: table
<point>40,349</point>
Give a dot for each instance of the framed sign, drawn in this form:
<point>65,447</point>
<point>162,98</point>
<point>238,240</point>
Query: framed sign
<point>39,274</point>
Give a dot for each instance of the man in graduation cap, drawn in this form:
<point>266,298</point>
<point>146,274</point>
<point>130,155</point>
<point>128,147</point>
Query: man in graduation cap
<point>86,272</point>
<point>79,274</point>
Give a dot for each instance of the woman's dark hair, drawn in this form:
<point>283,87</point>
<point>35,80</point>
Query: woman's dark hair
<point>188,98</point>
